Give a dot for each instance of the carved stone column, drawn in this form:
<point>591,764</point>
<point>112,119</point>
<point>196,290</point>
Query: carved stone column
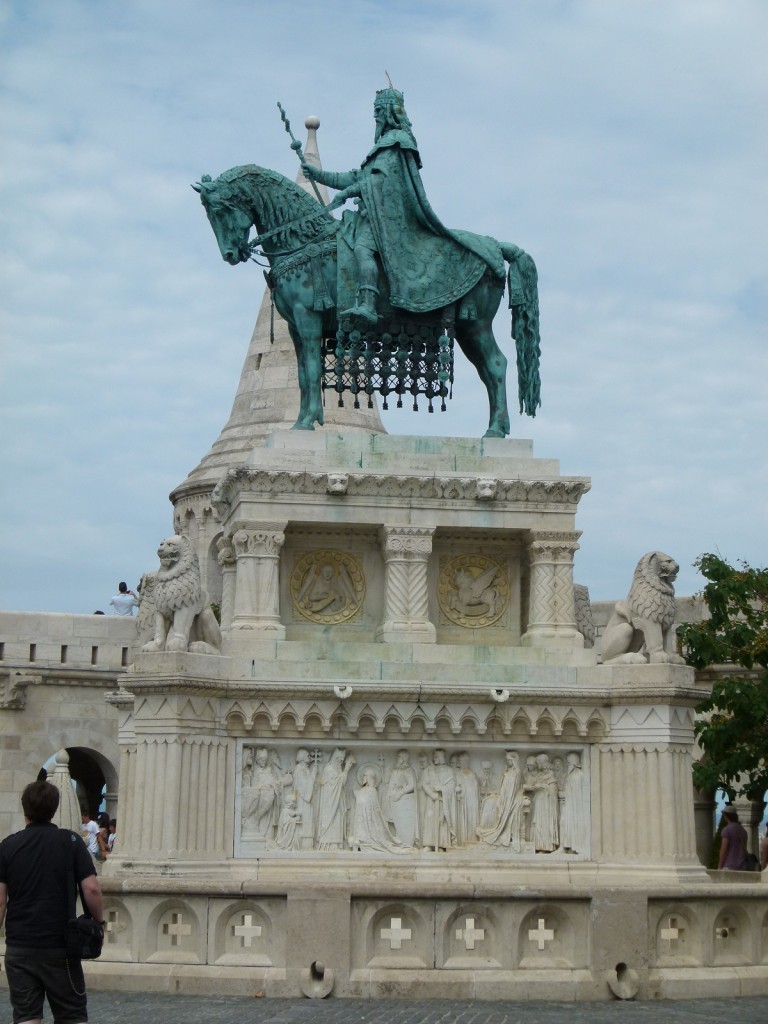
<point>643,808</point>
<point>642,784</point>
<point>175,774</point>
<point>193,824</point>
<point>227,559</point>
<point>406,551</point>
<point>551,612</point>
<point>127,797</point>
<point>257,598</point>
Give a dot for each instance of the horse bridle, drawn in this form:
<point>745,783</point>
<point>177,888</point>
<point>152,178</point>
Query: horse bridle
<point>257,242</point>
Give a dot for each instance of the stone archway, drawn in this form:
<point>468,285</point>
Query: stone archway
<point>95,779</point>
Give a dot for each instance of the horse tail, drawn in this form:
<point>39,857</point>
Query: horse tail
<point>522,285</point>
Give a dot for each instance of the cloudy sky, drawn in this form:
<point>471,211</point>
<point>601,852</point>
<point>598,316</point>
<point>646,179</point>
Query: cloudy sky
<point>622,144</point>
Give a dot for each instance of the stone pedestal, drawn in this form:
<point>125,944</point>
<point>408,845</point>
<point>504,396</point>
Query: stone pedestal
<point>405,766</point>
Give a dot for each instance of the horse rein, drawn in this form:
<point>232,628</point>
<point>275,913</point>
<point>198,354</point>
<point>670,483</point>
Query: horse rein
<point>260,239</point>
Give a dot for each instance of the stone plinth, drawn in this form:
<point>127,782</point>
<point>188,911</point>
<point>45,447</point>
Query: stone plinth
<point>404,539</point>
<point>405,764</point>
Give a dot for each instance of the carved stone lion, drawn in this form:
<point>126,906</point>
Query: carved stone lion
<point>486,488</point>
<point>337,483</point>
<point>583,609</point>
<point>640,629</point>
<point>183,618</point>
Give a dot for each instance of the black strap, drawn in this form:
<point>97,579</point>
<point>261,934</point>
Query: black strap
<point>70,843</point>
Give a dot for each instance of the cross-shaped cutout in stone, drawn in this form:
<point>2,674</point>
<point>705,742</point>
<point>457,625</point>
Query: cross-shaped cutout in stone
<point>112,926</point>
<point>247,930</point>
<point>396,933</point>
<point>541,935</point>
<point>176,929</point>
<point>673,933</point>
<point>470,934</point>
<point>316,756</point>
<point>727,930</point>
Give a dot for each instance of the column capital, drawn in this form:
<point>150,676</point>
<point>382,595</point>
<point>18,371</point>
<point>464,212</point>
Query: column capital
<point>406,542</point>
<point>262,540</point>
<point>553,546</point>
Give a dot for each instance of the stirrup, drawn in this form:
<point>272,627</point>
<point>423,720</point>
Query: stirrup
<point>362,313</point>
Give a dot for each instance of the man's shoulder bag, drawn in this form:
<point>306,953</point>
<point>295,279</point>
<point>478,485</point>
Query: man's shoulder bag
<point>84,935</point>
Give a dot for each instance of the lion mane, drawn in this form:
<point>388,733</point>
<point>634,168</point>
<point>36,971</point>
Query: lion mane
<point>583,609</point>
<point>652,595</point>
<point>183,621</point>
<point>178,586</point>
<point>639,629</point>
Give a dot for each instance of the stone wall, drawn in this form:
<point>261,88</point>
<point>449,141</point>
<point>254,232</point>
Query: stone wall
<point>390,937</point>
<point>54,672</point>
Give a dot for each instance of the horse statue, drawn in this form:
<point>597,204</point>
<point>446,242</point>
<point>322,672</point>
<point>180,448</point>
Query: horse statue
<point>303,245</point>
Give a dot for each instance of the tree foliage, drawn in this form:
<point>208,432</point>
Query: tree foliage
<point>733,722</point>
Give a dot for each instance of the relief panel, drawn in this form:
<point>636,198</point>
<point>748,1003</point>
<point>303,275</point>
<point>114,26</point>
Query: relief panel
<point>486,801</point>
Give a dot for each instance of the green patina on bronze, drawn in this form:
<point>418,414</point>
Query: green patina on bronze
<point>374,301</point>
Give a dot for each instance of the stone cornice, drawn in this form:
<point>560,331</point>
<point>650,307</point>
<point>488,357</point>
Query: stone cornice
<point>18,677</point>
<point>363,877</point>
<point>515,492</point>
<point>13,689</point>
<point>363,692</point>
<point>119,698</point>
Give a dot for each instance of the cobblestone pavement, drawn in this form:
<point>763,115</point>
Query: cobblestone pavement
<point>138,1008</point>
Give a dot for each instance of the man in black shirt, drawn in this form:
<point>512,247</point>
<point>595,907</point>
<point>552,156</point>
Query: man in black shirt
<point>34,891</point>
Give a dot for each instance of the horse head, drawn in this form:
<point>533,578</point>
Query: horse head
<point>283,213</point>
<point>228,215</point>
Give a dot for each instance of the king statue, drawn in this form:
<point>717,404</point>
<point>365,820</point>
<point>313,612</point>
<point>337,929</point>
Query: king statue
<point>427,266</point>
<point>374,301</point>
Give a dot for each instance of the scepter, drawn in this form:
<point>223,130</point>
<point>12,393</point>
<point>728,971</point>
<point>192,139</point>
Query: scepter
<point>296,147</point>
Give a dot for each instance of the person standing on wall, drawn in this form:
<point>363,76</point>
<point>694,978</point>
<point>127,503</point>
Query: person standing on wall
<point>124,600</point>
<point>34,882</point>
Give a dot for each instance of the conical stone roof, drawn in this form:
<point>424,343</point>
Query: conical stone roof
<point>267,396</point>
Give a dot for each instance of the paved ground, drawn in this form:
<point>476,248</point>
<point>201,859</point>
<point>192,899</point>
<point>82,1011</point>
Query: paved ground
<point>130,1008</point>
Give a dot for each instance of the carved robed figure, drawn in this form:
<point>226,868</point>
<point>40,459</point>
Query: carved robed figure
<point>392,257</point>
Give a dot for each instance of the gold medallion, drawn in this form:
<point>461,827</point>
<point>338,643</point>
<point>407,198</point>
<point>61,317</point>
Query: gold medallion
<point>327,587</point>
<point>472,591</point>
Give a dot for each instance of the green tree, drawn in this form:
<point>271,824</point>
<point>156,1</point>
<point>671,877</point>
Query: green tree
<point>733,723</point>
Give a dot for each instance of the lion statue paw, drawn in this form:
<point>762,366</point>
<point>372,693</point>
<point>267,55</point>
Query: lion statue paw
<point>184,620</point>
<point>640,629</point>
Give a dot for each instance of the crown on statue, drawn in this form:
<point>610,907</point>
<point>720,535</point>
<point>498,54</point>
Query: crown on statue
<point>392,99</point>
